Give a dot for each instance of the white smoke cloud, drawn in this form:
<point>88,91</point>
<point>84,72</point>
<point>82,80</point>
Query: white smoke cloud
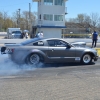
<point>7,67</point>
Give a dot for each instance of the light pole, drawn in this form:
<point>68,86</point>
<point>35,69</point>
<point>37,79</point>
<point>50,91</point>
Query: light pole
<point>40,23</point>
<point>30,24</point>
<point>18,17</point>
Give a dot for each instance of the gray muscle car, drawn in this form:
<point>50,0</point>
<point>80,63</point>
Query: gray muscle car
<point>49,50</point>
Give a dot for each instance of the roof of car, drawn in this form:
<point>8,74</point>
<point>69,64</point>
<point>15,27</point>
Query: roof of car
<point>37,39</point>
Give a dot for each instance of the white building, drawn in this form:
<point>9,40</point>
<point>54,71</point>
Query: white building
<point>51,17</point>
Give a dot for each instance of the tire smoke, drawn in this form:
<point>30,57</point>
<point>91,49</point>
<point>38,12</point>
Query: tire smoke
<point>7,67</point>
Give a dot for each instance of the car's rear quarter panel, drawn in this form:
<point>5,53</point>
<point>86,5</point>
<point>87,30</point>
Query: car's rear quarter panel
<point>20,53</point>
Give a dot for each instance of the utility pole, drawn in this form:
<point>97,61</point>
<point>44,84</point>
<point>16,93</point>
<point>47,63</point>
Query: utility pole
<point>19,18</point>
<point>30,24</point>
<point>29,10</point>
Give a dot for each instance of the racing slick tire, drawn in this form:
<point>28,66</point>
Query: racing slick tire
<point>33,59</point>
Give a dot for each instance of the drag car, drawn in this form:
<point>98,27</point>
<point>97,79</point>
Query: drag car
<point>49,50</point>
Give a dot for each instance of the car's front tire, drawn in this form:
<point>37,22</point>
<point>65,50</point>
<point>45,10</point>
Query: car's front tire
<point>33,59</point>
<point>86,59</point>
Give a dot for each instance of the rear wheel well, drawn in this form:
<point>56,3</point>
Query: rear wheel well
<point>40,55</point>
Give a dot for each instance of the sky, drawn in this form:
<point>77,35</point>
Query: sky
<point>74,7</point>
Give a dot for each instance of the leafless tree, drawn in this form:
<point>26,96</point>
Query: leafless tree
<point>87,19</point>
<point>72,20</point>
<point>1,20</point>
<point>28,19</point>
<point>94,19</point>
<point>80,18</point>
<point>15,18</point>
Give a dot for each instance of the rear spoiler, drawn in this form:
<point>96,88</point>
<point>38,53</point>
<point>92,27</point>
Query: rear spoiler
<point>10,43</point>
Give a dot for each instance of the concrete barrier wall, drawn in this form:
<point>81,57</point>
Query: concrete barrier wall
<point>67,39</point>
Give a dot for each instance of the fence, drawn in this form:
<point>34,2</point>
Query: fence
<point>76,33</point>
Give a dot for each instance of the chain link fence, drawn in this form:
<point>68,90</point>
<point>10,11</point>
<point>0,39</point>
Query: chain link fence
<point>76,33</point>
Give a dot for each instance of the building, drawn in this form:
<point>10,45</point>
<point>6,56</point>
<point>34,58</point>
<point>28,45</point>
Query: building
<point>51,18</point>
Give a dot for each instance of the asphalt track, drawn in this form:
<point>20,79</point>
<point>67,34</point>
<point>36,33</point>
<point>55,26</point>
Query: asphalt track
<point>71,81</point>
<point>52,82</point>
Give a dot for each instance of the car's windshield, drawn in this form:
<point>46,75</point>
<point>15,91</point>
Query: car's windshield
<point>16,32</point>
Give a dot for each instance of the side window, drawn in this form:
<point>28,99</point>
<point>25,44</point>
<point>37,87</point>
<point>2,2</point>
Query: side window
<point>56,43</point>
<point>39,43</point>
<point>60,43</point>
<point>51,42</point>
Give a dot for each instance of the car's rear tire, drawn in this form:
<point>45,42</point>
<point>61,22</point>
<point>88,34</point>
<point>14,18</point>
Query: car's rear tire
<point>33,59</point>
<point>86,59</point>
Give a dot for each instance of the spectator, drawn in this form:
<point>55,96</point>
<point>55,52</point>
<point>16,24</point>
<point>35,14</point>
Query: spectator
<point>26,35</point>
<point>39,35</point>
<point>94,38</point>
<point>22,35</point>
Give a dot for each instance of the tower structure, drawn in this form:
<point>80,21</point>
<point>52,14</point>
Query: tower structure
<point>50,17</point>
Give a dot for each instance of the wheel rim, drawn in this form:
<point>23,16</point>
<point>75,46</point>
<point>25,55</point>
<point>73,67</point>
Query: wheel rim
<point>87,58</point>
<point>34,59</point>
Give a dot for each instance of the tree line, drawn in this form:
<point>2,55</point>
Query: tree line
<point>23,20</point>
<point>88,21</point>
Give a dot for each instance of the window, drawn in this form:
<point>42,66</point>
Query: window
<point>40,43</point>
<point>51,42</point>
<point>58,17</point>
<point>48,2</point>
<point>56,43</point>
<point>16,32</point>
<point>48,17</point>
<point>40,16</point>
<point>59,2</point>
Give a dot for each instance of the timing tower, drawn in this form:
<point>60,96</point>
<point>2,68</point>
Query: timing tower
<point>50,17</point>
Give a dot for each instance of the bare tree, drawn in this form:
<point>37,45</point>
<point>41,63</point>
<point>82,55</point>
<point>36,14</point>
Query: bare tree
<point>5,21</point>
<point>94,19</point>
<point>25,15</point>
<point>80,18</point>
<point>87,19</point>
<point>1,21</point>
<point>28,20</point>
<point>72,20</point>
<point>15,18</point>
<point>5,15</point>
